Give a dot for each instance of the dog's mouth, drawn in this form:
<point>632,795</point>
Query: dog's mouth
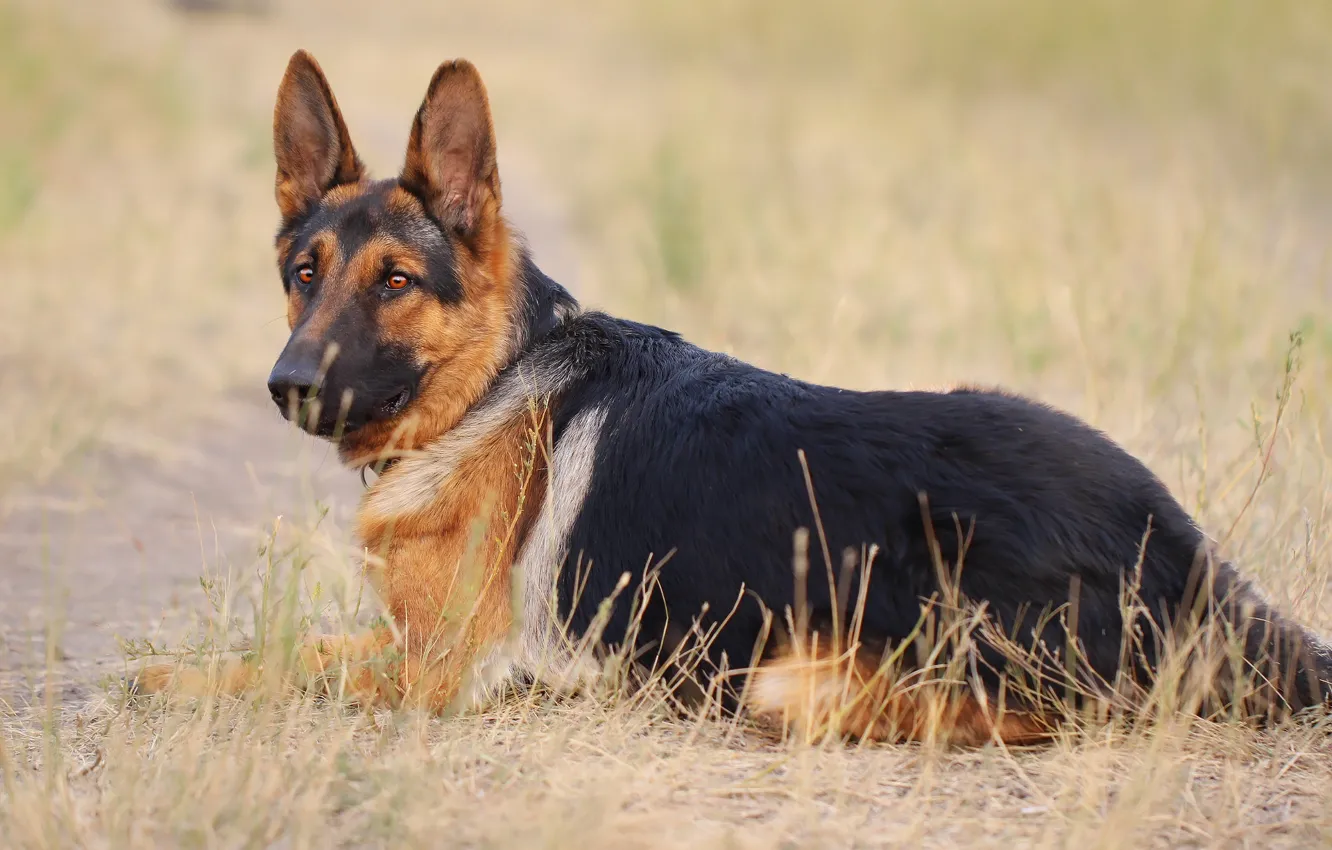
<point>396,404</point>
<point>311,415</point>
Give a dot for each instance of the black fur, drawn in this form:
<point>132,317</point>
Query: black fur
<point>698,467</point>
<point>543,303</point>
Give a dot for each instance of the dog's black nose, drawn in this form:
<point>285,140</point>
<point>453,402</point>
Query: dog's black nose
<point>292,383</point>
<point>287,391</point>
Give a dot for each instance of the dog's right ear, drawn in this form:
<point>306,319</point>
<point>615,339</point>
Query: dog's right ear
<point>451,163</point>
<point>310,140</point>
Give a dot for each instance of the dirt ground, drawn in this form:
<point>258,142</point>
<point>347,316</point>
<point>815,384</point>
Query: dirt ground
<point>116,548</point>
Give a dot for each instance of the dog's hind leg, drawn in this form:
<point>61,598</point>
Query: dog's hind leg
<point>819,693</point>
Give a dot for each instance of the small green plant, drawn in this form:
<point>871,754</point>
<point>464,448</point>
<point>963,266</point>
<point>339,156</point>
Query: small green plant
<point>679,228</point>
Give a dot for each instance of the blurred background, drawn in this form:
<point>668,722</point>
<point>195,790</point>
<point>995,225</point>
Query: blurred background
<point>1121,207</point>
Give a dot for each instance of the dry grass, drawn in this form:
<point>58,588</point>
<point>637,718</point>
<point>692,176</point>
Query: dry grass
<point>1119,207</point>
<point>129,248</point>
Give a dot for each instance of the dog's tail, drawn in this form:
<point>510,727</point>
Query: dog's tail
<point>1252,656</point>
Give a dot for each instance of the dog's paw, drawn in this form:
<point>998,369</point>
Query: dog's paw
<point>154,679</point>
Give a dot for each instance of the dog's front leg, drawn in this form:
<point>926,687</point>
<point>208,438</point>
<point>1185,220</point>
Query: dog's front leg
<point>449,639</point>
<point>362,667</point>
<point>452,606</point>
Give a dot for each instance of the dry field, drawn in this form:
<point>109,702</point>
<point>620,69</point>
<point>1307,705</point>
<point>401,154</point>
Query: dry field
<point>1120,207</point>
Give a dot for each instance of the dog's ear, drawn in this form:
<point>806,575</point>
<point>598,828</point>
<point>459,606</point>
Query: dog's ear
<point>451,154</point>
<point>310,140</point>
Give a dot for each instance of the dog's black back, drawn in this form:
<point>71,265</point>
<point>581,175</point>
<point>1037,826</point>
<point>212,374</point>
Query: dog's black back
<point>698,467</point>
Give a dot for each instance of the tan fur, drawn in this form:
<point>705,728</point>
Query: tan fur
<point>337,288</point>
<point>321,661</point>
<point>446,573</point>
<point>344,193</point>
<point>821,693</point>
<point>383,251</point>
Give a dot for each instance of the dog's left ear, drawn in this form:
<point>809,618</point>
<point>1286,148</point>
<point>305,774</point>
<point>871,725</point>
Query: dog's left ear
<point>451,154</point>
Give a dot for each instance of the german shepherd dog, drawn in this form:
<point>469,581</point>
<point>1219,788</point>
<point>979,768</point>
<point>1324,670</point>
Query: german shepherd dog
<point>536,460</point>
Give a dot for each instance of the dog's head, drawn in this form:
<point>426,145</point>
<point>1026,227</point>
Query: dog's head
<point>400,292</point>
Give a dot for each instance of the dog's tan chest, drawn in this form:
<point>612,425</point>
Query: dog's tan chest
<point>441,531</point>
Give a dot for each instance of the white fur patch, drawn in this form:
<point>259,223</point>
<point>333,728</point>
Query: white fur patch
<point>544,651</point>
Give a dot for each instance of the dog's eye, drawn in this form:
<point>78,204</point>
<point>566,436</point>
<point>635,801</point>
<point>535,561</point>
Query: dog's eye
<point>304,275</point>
<point>398,282</point>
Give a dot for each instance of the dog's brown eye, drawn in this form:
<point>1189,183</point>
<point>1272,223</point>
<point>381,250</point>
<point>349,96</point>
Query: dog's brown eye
<point>398,282</point>
<point>305,275</point>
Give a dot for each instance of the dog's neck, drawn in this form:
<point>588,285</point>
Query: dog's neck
<point>506,421</point>
<point>540,305</point>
